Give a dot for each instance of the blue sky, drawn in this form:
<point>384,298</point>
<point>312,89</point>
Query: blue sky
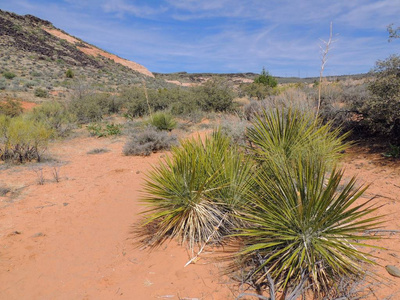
<point>227,36</point>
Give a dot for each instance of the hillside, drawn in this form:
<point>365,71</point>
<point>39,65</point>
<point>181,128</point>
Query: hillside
<point>38,55</point>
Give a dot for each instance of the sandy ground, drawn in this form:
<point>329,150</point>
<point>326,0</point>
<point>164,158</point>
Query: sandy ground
<point>72,239</point>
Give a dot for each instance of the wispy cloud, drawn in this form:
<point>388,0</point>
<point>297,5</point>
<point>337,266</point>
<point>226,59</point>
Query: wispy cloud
<point>228,35</point>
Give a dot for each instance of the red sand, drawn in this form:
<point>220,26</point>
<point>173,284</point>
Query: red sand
<point>73,240</point>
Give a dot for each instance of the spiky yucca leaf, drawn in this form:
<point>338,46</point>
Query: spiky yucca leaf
<point>286,135</point>
<point>194,192</point>
<point>300,222</point>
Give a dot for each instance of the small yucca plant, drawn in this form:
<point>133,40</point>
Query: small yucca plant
<point>303,224</point>
<point>163,121</point>
<point>194,193</point>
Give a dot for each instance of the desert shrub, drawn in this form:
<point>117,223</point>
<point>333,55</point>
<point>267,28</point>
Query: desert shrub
<point>97,129</point>
<point>183,102</point>
<point>69,74</point>
<point>254,108</point>
<point>194,193</point>
<point>144,142</point>
<point>9,75</point>
<point>301,99</point>
<point>54,115</point>
<point>3,84</point>
<point>11,107</point>
<point>256,90</point>
<point>163,121</point>
<point>381,112</point>
<point>113,129</point>
<point>22,139</point>
<point>214,95</point>
<point>262,86</point>
<point>266,79</point>
<point>236,129</point>
<point>135,102</point>
<point>29,84</point>
<point>137,105</point>
<point>41,93</point>
<point>92,107</point>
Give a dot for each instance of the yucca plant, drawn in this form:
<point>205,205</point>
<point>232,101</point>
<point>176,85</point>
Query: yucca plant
<point>193,194</point>
<point>163,121</point>
<point>287,135</point>
<point>304,228</point>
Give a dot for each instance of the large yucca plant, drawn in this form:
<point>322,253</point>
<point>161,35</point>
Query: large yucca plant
<point>304,227</point>
<point>285,135</point>
<point>193,194</point>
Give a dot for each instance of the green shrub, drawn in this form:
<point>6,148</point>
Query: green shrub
<point>266,79</point>
<point>41,93</point>
<point>214,95</point>
<point>9,75</point>
<point>381,112</point>
<point>144,142</point>
<point>22,139</point>
<point>113,129</point>
<point>55,116</point>
<point>163,121</point>
<point>11,107</point>
<point>255,90</point>
<point>137,105</point>
<point>92,107</point>
<point>95,129</point>
<point>69,74</point>
<point>262,86</point>
<point>134,100</point>
<point>98,130</point>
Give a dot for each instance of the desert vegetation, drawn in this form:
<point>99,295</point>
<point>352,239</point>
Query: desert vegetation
<point>282,203</point>
<point>263,180</point>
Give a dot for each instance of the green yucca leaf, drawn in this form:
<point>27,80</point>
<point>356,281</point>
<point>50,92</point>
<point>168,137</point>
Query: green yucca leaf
<point>299,221</point>
<point>284,136</point>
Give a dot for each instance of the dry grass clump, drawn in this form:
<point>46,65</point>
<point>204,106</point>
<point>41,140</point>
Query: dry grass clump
<point>98,151</point>
<point>147,141</point>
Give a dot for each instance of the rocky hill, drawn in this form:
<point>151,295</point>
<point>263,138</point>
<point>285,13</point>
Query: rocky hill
<point>36,54</point>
